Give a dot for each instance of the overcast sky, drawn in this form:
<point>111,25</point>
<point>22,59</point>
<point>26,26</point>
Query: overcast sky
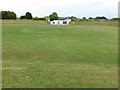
<point>78,8</point>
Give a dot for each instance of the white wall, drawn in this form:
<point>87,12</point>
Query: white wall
<point>59,22</point>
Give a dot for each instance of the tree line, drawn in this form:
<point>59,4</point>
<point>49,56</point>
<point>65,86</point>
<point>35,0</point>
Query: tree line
<point>8,15</point>
<point>53,16</point>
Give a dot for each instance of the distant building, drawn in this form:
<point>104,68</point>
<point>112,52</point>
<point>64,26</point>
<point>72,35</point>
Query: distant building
<point>61,21</point>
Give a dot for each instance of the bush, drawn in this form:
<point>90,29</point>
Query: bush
<point>36,18</point>
<point>22,17</point>
<point>114,19</point>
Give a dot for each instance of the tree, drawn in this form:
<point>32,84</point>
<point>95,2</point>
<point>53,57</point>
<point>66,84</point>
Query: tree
<point>101,17</point>
<point>12,15</point>
<point>73,18</point>
<point>90,18</point>
<point>28,15</point>
<point>84,18</point>
<point>8,15</point>
<point>4,14</point>
<point>53,16</point>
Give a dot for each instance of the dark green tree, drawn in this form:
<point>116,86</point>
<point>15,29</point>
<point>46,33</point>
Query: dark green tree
<point>84,18</point>
<point>4,15</point>
<point>28,15</point>
<point>8,15</point>
<point>12,15</point>
<point>53,16</point>
<point>101,17</point>
<point>90,18</point>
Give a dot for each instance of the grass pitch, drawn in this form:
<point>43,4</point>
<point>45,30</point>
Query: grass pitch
<point>80,55</point>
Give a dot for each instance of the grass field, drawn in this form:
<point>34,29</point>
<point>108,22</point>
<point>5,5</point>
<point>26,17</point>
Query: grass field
<point>80,55</point>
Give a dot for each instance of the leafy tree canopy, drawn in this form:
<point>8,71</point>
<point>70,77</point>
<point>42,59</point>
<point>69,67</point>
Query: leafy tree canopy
<point>53,16</point>
<point>8,15</point>
<point>101,17</point>
<point>28,15</point>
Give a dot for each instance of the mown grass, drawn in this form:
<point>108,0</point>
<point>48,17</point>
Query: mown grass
<point>107,23</point>
<point>39,55</point>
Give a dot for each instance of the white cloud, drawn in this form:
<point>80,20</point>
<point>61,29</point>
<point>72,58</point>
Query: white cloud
<point>45,7</point>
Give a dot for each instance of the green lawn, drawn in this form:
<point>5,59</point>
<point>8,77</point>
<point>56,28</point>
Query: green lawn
<point>80,55</point>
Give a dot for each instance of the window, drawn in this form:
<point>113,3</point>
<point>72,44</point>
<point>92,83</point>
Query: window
<point>64,22</point>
